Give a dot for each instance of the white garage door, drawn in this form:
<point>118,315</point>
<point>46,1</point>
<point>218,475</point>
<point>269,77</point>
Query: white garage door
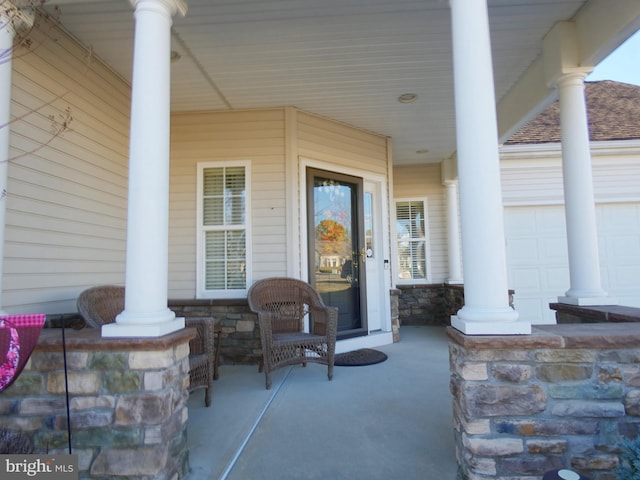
<point>537,256</point>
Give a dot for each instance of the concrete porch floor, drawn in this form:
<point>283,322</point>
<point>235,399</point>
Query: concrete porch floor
<point>390,420</point>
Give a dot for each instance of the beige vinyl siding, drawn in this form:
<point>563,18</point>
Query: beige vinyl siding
<point>67,194</point>
<point>424,181</point>
<point>329,141</point>
<point>538,184</point>
<point>257,136</point>
<point>536,178</point>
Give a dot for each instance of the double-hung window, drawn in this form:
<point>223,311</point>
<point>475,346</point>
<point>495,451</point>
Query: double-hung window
<point>223,229</point>
<point>412,240</point>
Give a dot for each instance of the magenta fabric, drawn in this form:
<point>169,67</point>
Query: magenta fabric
<point>18,337</point>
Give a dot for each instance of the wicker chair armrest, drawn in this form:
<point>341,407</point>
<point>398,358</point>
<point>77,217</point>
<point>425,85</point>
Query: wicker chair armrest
<point>204,339</point>
<point>265,319</point>
<point>325,320</point>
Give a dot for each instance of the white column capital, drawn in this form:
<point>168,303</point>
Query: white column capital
<point>561,53</point>
<point>574,78</point>
<point>15,19</point>
<point>171,7</point>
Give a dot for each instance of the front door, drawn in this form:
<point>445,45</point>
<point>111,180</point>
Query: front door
<point>337,246</point>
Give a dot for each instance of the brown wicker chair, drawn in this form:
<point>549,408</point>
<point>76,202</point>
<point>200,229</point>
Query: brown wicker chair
<point>100,305</point>
<point>203,355</point>
<point>282,304</point>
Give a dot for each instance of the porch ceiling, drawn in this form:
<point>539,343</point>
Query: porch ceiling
<point>345,59</point>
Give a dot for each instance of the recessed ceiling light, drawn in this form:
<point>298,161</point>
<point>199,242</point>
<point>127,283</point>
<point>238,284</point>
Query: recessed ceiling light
<point>422,151</point>
<point>407,98</point>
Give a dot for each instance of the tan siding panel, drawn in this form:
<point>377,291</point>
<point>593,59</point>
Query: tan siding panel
<point>66,200</point>
<point>531,181</point>
<point>254,135</point>
<point>324,140</point>
<point>424,181</point>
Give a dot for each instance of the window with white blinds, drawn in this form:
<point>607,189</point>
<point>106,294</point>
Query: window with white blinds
<point>412,240</point>
<point>223,224</point>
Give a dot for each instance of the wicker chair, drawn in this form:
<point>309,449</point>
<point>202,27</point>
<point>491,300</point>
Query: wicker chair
<point>203,355</point>
<point>282,305</point>
<point>100,305</point>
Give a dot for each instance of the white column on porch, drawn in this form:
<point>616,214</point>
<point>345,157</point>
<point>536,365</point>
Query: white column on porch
<point>582,235</point>
<point>12,18</point>
<point>145,312</point>
<point>486,309</point>
<point>453,233</point>
<point>7,34</point>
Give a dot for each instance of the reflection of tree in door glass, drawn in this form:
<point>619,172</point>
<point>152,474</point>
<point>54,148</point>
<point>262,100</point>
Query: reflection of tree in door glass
<point>333,241</point>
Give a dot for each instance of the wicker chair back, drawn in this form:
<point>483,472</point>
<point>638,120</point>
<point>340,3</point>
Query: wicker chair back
<point>282,304</point>
<point>100,305</point>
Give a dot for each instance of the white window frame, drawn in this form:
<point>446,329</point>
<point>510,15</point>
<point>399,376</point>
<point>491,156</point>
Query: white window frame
<point>201,290</point>
<point>427,243</point>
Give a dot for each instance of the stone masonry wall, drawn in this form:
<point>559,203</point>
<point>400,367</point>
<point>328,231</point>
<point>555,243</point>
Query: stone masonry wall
<point>127,401</point>
<point>432,304</point>
<point>564,397</point>
<point>240,343</point>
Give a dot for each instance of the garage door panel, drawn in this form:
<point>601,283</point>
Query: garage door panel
<point>520,223</point>
<point>547,256</point>
<point>554,249</point>
<point>620,217</point>
<point>550,220</point>
<point>535,310</point>
<point>529,308</point>
<point>556,279</point>
<point>528,278</point>
<point>523,250</point>
<point>622,246</point>
<point>625,276</point>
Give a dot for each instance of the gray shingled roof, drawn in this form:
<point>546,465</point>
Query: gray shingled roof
<point>613,109</point>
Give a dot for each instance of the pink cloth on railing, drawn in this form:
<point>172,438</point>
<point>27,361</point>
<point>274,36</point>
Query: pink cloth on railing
<point>18,337</point>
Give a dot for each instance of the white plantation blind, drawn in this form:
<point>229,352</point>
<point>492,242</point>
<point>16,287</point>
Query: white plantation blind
<point>224,214</point>
<point>412,239</point>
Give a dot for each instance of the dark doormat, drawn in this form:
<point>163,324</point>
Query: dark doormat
<point>358,358</point>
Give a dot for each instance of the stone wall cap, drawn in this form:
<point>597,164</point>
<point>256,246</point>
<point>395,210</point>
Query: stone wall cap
<point>91,339</point>
<point>611,313</point>
<point>537,339</point>
<point>599,336</point>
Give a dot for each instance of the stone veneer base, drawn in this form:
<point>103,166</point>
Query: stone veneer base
<point>563,397</point>
<point>127,400</point>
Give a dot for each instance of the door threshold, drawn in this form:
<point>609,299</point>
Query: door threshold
<point>376,339</point>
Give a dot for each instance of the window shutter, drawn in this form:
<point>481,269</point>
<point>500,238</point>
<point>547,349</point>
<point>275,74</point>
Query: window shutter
<point>224,224</point>
<point>411,239</point>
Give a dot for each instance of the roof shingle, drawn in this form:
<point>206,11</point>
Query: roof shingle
<point>613,111</point>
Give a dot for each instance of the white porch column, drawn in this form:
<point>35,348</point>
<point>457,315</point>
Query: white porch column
<point>6,46</point>
<point>580,210</point>
<point>12,18</point>
<point>453,233</point>
<point>486,309</point>
<point>145,313</point>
